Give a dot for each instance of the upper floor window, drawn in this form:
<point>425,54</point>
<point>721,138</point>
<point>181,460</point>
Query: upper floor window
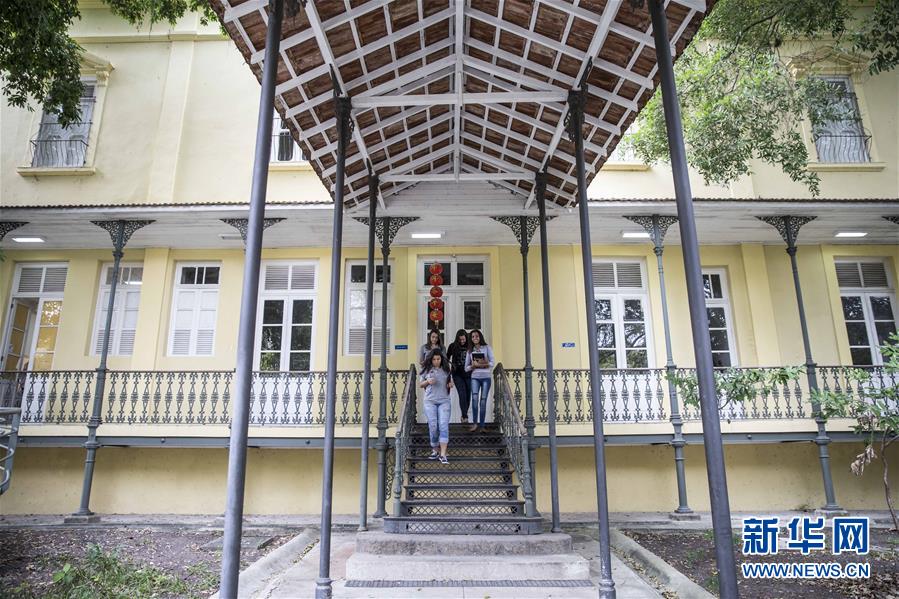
<point>843,139</point>
<point>56,146</point>
<point>284,148</point>
<point>124,313</point>
<point>357,277</point>
<point>621,311</point>
<point>721,333</point>
<point>194,310</point>
<point>869,308</point>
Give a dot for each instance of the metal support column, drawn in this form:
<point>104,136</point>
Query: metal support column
<point>120,232</point>
<point>366,368</point>
<point>708,397</point>
<point>243,378</point>
<point>381,444</point>
<point>657,226</point>
<point>344,130</point>
<point>575,132</point>
<point>788,227</point>
<point>540,196</point>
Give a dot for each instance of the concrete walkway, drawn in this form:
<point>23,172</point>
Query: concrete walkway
<point>298,581</point>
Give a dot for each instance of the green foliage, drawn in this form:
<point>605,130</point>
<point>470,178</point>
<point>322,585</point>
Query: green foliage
<point>40,62</point>
<point>740,100</point>
<point>736,385</point>
<point>103,575</point>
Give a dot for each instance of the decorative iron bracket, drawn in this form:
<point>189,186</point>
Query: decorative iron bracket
<point>523,227</point>
<point>242,224</point>
<point>574,119</point>
<point>787,226</point>
<point>10,225</point>
<point>120,231</point>
<point>393,227</point>
<point>892,219</point>
<point>655,225</point>
<point>343,112</point>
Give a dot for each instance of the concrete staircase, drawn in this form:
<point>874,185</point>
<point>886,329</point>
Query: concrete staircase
<point>475,494</point>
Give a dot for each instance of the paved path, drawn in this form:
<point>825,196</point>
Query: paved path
<point>298,581</point>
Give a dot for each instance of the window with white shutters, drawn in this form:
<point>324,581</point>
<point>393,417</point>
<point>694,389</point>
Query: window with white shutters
<point>35,280</point>
<point>354,337</point>
<point>869,308</point>
<point>285,317</point>
<point>621,311</point>
<point>717,304</point>
<point>194,310</point>
<point>58,146</point>
<point>124,313</point>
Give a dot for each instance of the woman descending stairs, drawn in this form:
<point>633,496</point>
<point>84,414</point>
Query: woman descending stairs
<point>477,492</point>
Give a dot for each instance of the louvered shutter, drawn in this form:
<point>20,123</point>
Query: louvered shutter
<point>276,276</point>
<point>848,274</point>
<point>874,274</point>
<point>603,274</point>
<point>302,277</point>
<point>30,279</point>
<point>206,315</point>
<point>861,274</point>
<point>101,323</point>
<point>129,300</point>
<point>183,323</point>
<point>629,274</point>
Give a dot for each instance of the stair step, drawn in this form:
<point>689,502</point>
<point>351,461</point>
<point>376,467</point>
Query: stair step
<point>380,543</point>
<point>459,440</point>
<point>449,476</point>
<point>464,525</point>
<point>448,492</point>
<point>472,467</point>
<point>484,508</point>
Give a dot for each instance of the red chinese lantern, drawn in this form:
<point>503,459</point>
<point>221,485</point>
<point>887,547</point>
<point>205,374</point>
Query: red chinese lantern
<point>436,291</point>
<point>436,315</point>
<point>436,268</point>
<point>436,280</point>
<point>436,304</point>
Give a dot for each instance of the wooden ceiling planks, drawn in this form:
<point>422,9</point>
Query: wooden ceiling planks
<point>384,49</point>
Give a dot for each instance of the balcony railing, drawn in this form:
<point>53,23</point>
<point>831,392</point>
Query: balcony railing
<point>58,153</point>
<point>298,399</point>
<point>841,148</point>
<point>190,397</point>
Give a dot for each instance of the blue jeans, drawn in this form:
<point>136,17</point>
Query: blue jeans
<point>438,415</point>
<point>480,389</point>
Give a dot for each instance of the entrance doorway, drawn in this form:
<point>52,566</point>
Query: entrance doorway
<point>466,297</point>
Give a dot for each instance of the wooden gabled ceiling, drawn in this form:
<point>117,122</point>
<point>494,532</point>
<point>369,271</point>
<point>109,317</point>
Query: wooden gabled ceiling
<point>447,90</point>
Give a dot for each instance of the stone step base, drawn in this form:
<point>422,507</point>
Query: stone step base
<point>381,543</point>
<point>370,566</point>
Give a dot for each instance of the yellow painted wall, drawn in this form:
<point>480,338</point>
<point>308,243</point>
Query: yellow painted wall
<point>283,481</point>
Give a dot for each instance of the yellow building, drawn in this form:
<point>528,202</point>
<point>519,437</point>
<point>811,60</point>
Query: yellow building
<point>167,137</point>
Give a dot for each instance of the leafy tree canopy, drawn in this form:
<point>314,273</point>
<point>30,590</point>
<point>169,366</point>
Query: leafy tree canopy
<point>38,59</point>
<point>741,100</point>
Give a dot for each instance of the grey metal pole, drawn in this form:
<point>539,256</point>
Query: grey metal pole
<point>575,131</point>
<point>789,226</point>
<point>528,366</point>
<point>539,195</point>
<point>366,368</point>
<point>243,378</point>
<point>381,444</point>
<point>91,444</point>
<point>711,424</point>
<point>344,129</point>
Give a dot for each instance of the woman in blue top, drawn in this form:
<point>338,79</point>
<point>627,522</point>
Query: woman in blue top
<point>436,381</point>
<point>479,361</point>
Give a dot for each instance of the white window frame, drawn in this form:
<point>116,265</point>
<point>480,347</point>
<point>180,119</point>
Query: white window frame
<point>122,290</point>
<point>278,129</point>
<point>457,293</point>
<point>724,302</point>
<point>178,286</point>
<point>865,293</point>
<point>40,296</point>
<point>350,287</point>
<point>288,296</point>
<point>617,295</point>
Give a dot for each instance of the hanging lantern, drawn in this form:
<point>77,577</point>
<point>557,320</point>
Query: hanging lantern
<point>436,280</point>
<point>436,268</point>
<point>436,291</point>
<point>436,304</point>
<point>436,315</point>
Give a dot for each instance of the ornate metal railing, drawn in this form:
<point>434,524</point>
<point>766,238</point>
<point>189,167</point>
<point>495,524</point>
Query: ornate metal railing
<point>641,395</point>
<point>58,153</point>
<point>403,435</point>
<point>9,426</point>
<point>515,435</point>
<point>844,147</point>
<point>188,397</point>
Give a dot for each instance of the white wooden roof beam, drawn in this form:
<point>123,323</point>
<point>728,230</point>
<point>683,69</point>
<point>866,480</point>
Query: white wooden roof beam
<point>450,99</point>
<point>473,176</point>
<point>458,81</point>
<point>384,166</point>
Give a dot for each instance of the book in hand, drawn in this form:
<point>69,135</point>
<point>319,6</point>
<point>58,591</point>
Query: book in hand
<point>479,359</point>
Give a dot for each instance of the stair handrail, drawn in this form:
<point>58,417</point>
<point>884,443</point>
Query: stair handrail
<point>515,435</point>
<point>406,421</point>
<point>9,430</point>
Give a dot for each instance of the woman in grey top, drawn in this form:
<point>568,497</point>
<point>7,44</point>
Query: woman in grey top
<point>436,381</point>
<point>434,342</point>
<point>479,362</point>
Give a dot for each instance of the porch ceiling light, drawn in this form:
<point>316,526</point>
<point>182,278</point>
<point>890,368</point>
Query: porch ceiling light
<point>426,235</point>
<point>635,234</point>
<point>31,239</point>
<point>851,234</point>
<point>230,236</point>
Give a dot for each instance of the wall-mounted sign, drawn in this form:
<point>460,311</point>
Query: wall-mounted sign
<point>568,344</point>
<point>400,347</point>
